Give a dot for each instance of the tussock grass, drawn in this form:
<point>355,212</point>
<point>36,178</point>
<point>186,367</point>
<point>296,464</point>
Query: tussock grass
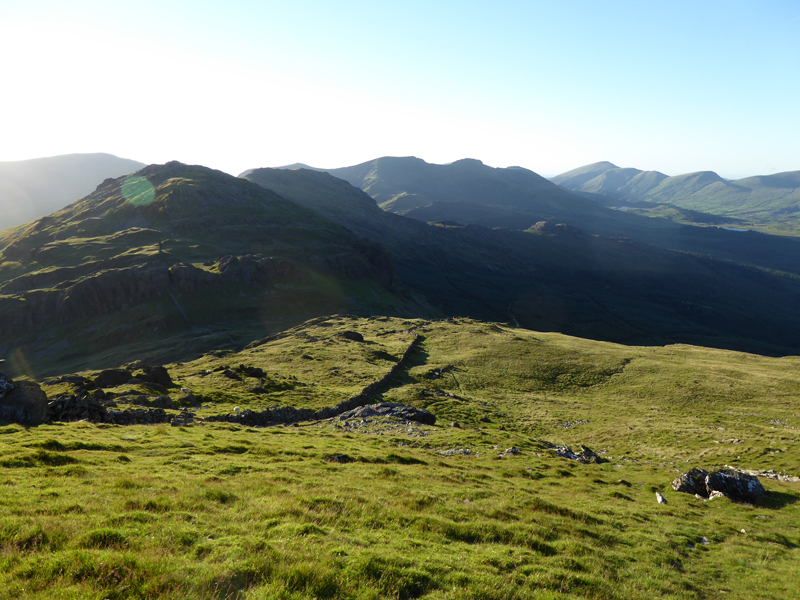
<point>223,511</point>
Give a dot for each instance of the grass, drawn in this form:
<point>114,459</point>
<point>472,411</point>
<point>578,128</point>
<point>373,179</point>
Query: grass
<point>217,510</point>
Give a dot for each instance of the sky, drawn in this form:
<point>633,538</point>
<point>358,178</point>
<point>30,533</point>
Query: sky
<point>672,86</point>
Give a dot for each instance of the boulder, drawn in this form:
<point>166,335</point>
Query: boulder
<point>728,482</point>
<point>736,485</point>
<point>158,375</point>
<point>163,402</point>
<point>6,385</point>
<point>692,482</point>
<point>26,404</point>
<point>112,378</point>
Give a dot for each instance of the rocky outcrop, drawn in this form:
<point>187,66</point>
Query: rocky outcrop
<point>25,403</point>
<point>728,482</point>
<point>585,455</point>
<point>390,409</point>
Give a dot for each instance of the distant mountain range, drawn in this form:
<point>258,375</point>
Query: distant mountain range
<point>33,188</point>
<point>179,259</point>
<point>761,200</point>
<point>469,192</point>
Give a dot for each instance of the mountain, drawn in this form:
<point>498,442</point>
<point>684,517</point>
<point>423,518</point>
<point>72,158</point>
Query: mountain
<point>609,181</point>
<point>30,189</point>
<point>557,278</point>
<point>574,179</point>
<point>765,201</point>
<point>176,260</point>
<point>469,192</point>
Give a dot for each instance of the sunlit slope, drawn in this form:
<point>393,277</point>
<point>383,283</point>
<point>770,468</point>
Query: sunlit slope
<point>771,202</point>
<point>30,189</point>
<point>477,506</point>
<point>175,260</point>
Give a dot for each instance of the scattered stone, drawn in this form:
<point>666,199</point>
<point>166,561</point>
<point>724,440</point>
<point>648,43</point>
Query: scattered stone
<point>585,456</point>
<point>513,451</point>
<point>704,541</point>
<point>24,403</point>
<point>485,420</point>
<point>99,394</point>
<point>454,451</point>
<point>455,424</point>
<point>112,378</point>
<point>660,499</point>
<point>570,424</point>
<point>353,336</point>
<point>769,474</point>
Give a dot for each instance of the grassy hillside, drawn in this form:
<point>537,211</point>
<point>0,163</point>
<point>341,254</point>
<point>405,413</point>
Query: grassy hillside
<point>174,261</point>
<point>30,189</point>
<point>379,508</point>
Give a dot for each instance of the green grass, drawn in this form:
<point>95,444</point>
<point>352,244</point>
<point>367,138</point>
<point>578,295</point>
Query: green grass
<point>223,511</point>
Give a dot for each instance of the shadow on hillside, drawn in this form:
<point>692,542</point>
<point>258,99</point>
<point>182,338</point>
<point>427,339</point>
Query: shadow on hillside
<point>776,500</point>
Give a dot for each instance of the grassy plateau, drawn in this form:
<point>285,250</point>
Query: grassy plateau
<point>381,508</point>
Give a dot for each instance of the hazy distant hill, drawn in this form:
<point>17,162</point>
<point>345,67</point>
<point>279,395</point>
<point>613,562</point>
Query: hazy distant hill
<point>608,180</point>
<point>30,189</point>
<point>766,200</point>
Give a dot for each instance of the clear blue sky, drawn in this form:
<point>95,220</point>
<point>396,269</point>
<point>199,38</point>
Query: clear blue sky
<point>673,86</point>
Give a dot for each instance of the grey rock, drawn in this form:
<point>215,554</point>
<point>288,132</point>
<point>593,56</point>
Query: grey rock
<point>585,456</point>
<point>6,385</point>
<point>728,483</point>
<point>692,482</point>
<point>25,403</point>
<point>736,485</point>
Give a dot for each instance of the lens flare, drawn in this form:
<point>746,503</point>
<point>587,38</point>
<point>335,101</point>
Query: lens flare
<point>19,365</point>
<point>138,191</point>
